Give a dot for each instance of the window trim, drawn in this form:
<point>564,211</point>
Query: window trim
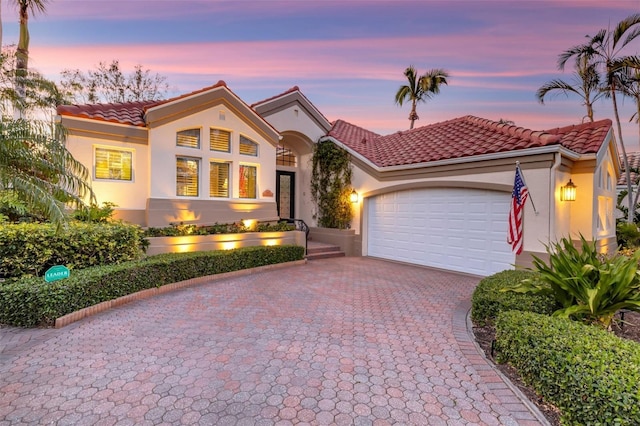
<point>248,141</point>
<point>198,176</point>
<point>115,149</point>
<point>240,178</point>
<point>230,139</point>
<point>198,129</point>
<point>229,180</point>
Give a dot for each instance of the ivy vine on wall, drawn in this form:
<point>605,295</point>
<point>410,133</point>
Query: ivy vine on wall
<point>331,185</point>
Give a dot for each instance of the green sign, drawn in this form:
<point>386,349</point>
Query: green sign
<point>55,273</point>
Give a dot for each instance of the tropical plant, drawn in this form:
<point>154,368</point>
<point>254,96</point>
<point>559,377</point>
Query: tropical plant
<point>628,235</point>
<point>419,89</point>
<point>331,185</point>
<point>108,83</point>
<point>587,285</point>
<point>37,168</point>
<point>605,50</point>
<point>95,213</point>
<point>586,85</point>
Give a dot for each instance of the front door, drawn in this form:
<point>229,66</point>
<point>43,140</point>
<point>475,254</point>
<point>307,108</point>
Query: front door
<point>285,194</point>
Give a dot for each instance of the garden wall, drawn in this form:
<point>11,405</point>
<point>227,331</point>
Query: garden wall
<point>191,243</point>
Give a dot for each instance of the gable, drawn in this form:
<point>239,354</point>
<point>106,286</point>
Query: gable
<point>214,97</point>
<point>292,111</point>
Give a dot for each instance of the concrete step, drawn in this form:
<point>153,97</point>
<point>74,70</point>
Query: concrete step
<point>317,250</point>
<point>325,255</point>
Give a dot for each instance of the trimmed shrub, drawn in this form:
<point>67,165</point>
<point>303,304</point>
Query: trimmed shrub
<point>177,230</point>
<point>591,375</point>
<point>489,297</point>
<point>31,249</point>
<point>31,302</point>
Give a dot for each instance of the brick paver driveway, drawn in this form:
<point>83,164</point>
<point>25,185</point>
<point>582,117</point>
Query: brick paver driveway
<point>351,341</point>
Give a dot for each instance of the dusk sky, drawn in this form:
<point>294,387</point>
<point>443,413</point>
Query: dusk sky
<point>347,57</point>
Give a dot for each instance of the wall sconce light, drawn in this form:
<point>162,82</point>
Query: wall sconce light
<point>353,197</point>
<point>568,192</point>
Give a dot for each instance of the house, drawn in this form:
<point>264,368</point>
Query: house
<point>437,195</point>
<point>203,157</point>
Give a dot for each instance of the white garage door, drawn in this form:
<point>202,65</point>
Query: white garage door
<point>450,228</point>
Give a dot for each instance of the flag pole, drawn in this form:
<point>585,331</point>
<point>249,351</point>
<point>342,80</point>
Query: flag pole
<point>525,184</point>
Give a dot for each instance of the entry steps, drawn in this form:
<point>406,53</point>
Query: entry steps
<point>317,250</point>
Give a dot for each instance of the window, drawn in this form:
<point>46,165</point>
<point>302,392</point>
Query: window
<point>113,164</point>
<point>187,176</point>
<point>248,181</point>
<point>219,140</point>
<point>219,179</point>
<point>189,138</point>
<point>248,147</point>
<point>285,157</point>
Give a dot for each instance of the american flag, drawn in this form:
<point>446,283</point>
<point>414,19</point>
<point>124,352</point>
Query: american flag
<point>518,198</point>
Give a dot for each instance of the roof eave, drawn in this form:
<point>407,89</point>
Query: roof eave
<point>462,160</point>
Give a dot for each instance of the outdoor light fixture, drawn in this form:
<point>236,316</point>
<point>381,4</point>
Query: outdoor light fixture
<point>353,197</point>
<point>568,192</point>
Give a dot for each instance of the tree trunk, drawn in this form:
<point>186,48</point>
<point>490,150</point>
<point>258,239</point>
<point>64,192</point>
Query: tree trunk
<point>625,159</point>
<point>413,115</point>
<point>22,59</point>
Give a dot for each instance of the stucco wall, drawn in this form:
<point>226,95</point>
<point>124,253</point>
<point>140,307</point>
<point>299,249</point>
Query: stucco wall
<point>294,118</point>
<point>127,195</point>
<point>164,152</point>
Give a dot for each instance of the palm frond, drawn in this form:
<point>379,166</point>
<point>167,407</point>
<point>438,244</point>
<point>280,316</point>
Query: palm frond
<point>624,26</point>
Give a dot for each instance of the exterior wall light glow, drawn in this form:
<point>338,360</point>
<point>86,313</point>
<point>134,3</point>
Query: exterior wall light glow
<point>353,197</point>
<point>568,192</point>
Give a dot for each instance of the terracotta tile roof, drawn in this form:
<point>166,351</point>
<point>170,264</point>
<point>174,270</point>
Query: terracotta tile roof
<point>583,138</point>
<point>634,164</point>
<point>131,113</point>
<point>463,137</point>
<point>286,92</point>
<point>357,138</point>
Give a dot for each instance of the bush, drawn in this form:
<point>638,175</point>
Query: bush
<point>591,375</point>
<point>95,213</point>
<point>31,249</point>
<point>30,301</point>
<point>489,300</point>
<point>218,228</point>
<point>628,235</point>
<point>587,285</point>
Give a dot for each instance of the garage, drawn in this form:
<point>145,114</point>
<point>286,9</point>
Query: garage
<point>450,228</point>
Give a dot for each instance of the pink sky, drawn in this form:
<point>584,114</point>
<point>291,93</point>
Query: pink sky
<point>347,57</point>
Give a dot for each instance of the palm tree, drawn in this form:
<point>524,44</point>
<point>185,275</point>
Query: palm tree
<point>419,89</point>
<point>587,86</point>
<point>22,52</point>
<point>37,169</point>
<point>628,83</point>
<point>605,51</point>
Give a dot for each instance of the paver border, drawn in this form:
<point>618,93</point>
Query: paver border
<point>511,397</point>
<point>150,292</point>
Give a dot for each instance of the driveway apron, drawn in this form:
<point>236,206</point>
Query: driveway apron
<point>348,341</point>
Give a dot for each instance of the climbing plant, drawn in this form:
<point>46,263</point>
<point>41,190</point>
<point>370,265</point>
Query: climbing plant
<point>331,185</point>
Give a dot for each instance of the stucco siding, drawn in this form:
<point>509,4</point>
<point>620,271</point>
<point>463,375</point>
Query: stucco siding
<point>165,151</point>
<point>127,195</point>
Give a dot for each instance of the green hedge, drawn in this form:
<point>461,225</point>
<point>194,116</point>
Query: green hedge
<point>31,302</point>
<point>591,375</point>
<point>488,300</point>
<point>31,248</point>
